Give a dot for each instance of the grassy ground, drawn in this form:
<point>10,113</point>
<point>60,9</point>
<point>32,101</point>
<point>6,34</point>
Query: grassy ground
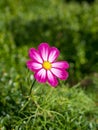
<point>61,108</point>
<point>47,108</point>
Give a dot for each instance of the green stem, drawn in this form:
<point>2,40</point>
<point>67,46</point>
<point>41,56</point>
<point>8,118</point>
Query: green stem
<point>32,86</point>
<point>28,99</point>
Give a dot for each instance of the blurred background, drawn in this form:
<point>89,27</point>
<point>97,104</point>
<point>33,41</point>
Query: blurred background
<point>69,25</point>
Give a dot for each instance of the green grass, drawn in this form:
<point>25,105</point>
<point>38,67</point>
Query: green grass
<point>61,108</point>
<point>47,108</point>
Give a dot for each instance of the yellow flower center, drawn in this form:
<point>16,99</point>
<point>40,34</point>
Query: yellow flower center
<point>47,65</point>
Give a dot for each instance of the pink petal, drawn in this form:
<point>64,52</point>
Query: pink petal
<point>60,73</point>
<point>44,50</point>
<point>51,79</point>
<point>61,65</point>
<point>34,55</point>
<point>33,66</point>
<point>54,53</point>
<point>41,76</point>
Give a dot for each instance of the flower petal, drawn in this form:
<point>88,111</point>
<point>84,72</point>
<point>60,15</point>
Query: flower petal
<point>62,74</point>
<point>44,50</point>
<point>54,53</point>
<point>33,66</point>
<point>41,76</point>
<point>34,55</point>
<point>61,65</point>
<point>52,79</point>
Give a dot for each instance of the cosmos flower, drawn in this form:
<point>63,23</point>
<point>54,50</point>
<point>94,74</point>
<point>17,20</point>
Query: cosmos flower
<point>44,65</point>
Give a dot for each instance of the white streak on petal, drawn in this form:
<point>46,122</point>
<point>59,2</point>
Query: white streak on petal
<point>36,66</point>
<point>44,50</point>
<point>62,74</point>
<point>61,65</point>
<point>54,53</point>
<point>51,79</point>
<point>34,55</point>
<point>40,76</point>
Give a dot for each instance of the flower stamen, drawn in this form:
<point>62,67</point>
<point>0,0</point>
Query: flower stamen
<point>47,65</point>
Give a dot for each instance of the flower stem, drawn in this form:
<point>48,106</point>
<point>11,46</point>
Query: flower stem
<point>28,98</point>
<point>32,86</point>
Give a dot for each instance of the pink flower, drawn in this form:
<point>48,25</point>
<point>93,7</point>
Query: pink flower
<point>46,68</point>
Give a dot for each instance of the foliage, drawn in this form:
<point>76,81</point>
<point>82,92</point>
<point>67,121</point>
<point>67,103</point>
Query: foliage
<point>73,29</point>
<point>80,1</point>
<point>70,27</point>
<point>47,108</point>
